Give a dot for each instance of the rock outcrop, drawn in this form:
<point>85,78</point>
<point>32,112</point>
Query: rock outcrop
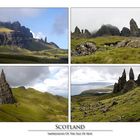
<point>125,32</point>
<point>121,83</point>
<point>18,36</point>
<point>80,34</point>
<point>123,86</point>
<point>129,43</point>
<point>131,74</point>
<point>138,80</point>
<point>134,30</point>
<point>6,96</point>
<point>84,49</point>
<point>130,84</point>
<point>16,27</point>
<point>77,31</point>
<point>108,30</point>
<point>21,36</point>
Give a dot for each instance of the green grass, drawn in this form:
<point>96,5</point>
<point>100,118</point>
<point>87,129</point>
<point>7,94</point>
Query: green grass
<point>98,40</point>
<point>107,54</point>
<point>127,108</point>
<point>14,54</point>
<point>115,55</point>
<point>34,106</point>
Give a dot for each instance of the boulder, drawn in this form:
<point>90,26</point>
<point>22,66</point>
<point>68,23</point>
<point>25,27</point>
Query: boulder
<point>85,49</point>
<point>134,43</point>
<point>122,43</point>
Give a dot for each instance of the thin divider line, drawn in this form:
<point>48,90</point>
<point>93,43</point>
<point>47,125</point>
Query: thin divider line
<point>71,130</point>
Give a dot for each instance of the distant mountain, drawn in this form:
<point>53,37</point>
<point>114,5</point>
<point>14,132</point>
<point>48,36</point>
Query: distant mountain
<point>108,30</point>
<point>14,34</point>
<point>95,83</point>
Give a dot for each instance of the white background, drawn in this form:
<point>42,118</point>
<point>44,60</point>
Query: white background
<point>19,131</point>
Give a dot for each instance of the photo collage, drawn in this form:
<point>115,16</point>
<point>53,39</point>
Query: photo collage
<point>69,64</point>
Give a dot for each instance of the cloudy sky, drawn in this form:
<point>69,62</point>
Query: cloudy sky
<point>51,79</point>
<point>82,75</point>
<point>93,18</point>
<point>50,22</point>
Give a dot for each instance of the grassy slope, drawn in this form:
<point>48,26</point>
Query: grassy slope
<point>35,106</point>
<point>127,108</point>
<point>13,54</point>
<point>107,54</point>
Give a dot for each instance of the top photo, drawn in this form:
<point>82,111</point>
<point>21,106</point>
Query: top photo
<point>105,35</point>
<point>34,35</point>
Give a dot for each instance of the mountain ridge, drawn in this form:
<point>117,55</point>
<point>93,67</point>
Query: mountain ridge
<point>13,33</point>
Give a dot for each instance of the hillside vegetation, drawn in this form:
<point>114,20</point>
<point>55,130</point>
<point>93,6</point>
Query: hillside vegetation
<point>105,53</point>
<point>34,106</point>
<point>112,107</point>
<point>14,54</point>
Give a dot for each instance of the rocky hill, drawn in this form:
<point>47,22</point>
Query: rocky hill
<point>122,105</point>
<point>125,86</point>
<point>14,34</point>
<point>108,30</point>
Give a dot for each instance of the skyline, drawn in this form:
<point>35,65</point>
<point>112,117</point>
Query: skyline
<point>53,79</point>
<point>50,22</point>
<point>96,17</point>
<point>84,75</point>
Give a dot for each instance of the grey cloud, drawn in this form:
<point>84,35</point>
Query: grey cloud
<point>23,76</point>
<point>112,71</point>
<point>93,18</point>
<point>60,24</point>
<point>13,14</point>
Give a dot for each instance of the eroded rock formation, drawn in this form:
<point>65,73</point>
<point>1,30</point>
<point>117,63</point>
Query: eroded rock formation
<point>121,83</point>
<point>125,31</point>
<point>108,30</point>
<point>123,86</point>
<point>134,30</point>
<point>6,96</point>
<point>80,33</point>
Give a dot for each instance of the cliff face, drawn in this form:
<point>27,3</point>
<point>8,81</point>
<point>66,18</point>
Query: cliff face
<point>16,27</point>
<point>6,96</point>
<point>18,36</point>
<point>124,86</point>
<point>13,34</point>
<point>14,38</point>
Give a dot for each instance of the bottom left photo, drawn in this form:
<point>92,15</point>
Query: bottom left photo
<point>33,94</point>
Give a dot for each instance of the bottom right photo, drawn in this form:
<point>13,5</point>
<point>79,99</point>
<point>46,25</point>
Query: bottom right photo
<point>105,93</point>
